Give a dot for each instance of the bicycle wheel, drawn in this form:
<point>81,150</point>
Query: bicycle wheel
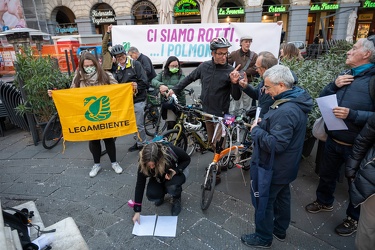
<point>179,141</point>
<point>190,149</point>
<point>52,133</point>
<point>151,117</point>
<point>208,186</point>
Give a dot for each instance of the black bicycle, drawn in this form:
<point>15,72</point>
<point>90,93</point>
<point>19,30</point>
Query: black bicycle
<point>52,133</point>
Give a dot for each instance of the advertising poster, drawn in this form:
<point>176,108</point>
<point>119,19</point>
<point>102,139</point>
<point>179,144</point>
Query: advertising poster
<point>11,15</point>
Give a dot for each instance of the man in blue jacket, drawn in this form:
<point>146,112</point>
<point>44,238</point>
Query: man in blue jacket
<point>355,106</point>
<point>282,129</point>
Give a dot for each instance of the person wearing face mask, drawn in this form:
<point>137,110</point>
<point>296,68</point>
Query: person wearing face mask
<point>170,76</point>
<point>90,73</point>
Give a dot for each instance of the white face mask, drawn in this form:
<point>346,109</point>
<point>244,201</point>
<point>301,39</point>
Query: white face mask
<point>90,69</point>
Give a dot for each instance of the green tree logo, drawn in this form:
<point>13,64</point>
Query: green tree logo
<point>126,45</point>
<point>98,108</point>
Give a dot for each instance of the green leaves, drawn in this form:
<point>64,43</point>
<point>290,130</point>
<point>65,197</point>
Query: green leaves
<point>314,75</point>
<point>38,75</point>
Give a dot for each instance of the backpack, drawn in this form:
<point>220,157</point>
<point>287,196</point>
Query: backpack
<point>20,221</point>
<point>166,143</point>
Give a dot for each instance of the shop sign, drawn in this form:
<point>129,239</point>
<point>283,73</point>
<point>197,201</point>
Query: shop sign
<point>274,9</point>
<point>102,16</point>
<point>231,11</point>
<point>324,7</point>
<point>186,8</point>
<point>365,17</point>
<point>65,29</point>
<point>368,4</point>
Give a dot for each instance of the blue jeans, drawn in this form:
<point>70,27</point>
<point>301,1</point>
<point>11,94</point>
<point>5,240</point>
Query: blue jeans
<point>334,156</point>
<point>139,109</point>
<point>277,217</point>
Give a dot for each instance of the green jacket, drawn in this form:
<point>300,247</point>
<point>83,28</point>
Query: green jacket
<point>107,57</point>
<point>170,82</point>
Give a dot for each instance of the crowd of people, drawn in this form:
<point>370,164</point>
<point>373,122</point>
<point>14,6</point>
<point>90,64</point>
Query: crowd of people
<point>278,134</point>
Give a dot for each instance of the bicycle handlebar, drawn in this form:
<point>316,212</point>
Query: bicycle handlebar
<point>219,118</point>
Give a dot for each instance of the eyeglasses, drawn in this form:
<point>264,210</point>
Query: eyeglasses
<point>119,56</point>
<point>372,39</point>
<point>222,54</point>
<point>255,67</point>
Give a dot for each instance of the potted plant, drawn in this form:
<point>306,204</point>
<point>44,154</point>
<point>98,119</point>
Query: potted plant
<point>313,76</point>
<point>38,74</point>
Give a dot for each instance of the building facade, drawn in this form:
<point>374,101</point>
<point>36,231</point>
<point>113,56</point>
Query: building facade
<point>302,19</point>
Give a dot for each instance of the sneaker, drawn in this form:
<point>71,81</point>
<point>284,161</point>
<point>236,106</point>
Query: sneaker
<point>135,147</point>
<point>176,206</point>
<point>316,207</point>
<point>279,237</point>
<point>252,240</point>
<point>94,171</point>
<point>347,228</point>
<point>117,168</point>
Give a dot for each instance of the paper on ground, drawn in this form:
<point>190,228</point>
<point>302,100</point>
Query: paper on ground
<point>146,227</point>
<point>153,225</point>
<point>326,105</point>
<point>166,226</point>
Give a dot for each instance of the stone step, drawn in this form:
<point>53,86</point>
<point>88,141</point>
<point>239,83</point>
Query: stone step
<point>66,236</point>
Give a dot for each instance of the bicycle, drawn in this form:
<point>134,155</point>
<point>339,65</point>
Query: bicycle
<point>52,134</point>
<point>154,125</point>
<point>208,186</point>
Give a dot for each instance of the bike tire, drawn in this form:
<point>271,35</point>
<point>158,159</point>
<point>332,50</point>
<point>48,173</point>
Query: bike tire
<point>151,117</point>
<point>208,187</point>
<point>178,141</point>
<point>191,146</point>
<point>52,133</point>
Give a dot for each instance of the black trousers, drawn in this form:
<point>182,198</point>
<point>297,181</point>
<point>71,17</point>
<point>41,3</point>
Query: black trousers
<point>96,149</point>
<point>156,191</point>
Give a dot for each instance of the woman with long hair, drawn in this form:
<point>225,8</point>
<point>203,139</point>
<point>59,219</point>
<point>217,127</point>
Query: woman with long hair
<point>166,166</point>
<point>170,76</point>
<point>90,73</point>
<point>289,51</point>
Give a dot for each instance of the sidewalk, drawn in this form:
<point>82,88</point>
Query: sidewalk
<point>60,186</point>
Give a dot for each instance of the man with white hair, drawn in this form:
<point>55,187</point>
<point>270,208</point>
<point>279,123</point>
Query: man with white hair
<point>355,98</point>
<point>279,135</point>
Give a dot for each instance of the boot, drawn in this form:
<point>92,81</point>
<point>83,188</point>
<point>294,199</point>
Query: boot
<point>170,124</point>
<point>176,206</point>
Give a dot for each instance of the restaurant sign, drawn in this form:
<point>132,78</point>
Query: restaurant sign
<point>231,11</point>
<point>324,7</point>
<point>102,16</point>
<point>70,28</point>
<point>186,8</point>
<point>368,4</point>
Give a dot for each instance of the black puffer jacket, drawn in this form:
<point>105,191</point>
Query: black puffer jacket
<point>356,97</point>
<point>216,86</point>
<point>361,164</point>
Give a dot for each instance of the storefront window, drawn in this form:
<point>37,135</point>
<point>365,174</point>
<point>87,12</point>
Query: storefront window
<point>145,13</point>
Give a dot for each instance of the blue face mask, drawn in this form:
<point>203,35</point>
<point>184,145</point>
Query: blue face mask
<point>90,69</point>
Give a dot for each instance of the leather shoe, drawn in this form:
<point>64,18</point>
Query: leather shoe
<point>176,206</point>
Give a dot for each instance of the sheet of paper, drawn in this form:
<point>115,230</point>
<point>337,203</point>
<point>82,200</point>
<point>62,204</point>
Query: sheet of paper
<point>166,226</point>
<point>147,226</point>
<point>257,113</point>
<point>326,104</point>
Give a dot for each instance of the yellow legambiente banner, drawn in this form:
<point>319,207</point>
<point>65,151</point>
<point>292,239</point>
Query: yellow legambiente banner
<point>97,112</point>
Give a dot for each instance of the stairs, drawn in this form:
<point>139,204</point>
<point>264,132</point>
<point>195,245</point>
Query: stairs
<point>66,236</point>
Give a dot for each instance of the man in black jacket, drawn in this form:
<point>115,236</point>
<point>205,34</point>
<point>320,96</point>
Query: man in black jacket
<point>218,84</point>
<point>355,106</point>
<point>129,70</point>
<point>145,61</point>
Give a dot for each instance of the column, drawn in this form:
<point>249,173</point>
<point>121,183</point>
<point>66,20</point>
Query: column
<point>125,20</point>
<point>253,14</point>
<point>85,26</point>
<point>297,23</point>
<point>341,20</point>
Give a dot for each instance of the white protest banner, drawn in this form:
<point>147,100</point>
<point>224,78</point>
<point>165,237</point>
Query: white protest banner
<point>190,42</point>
